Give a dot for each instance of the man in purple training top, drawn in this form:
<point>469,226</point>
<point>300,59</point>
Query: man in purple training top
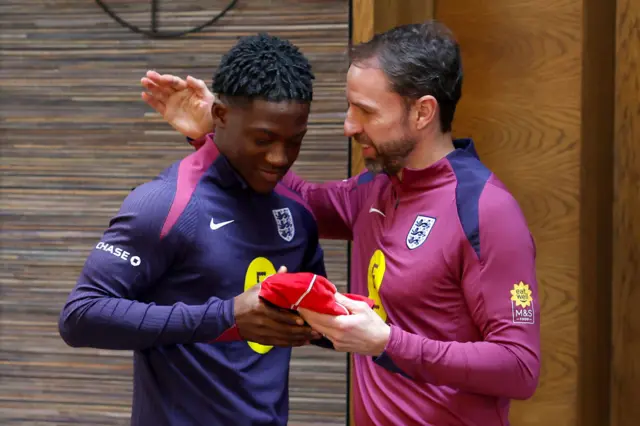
<point>438,242</point>
<point>174,277</point>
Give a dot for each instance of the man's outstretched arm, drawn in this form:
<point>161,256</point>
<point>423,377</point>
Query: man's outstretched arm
<point>186,106</point>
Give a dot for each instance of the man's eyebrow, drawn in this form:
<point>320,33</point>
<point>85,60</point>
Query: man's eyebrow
<point>268,132</point>
<point>363,105</point>
<point>275,135</point>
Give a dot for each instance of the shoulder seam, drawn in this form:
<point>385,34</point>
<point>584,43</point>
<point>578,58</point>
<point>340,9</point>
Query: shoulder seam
<point>181,197</point>
<point>356,184</point>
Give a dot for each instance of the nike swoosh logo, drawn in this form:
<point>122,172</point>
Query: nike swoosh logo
<point>372,210</point>
<point>215,226</point>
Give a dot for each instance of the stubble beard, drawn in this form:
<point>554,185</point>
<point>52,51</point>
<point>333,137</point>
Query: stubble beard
<point>391,156</point>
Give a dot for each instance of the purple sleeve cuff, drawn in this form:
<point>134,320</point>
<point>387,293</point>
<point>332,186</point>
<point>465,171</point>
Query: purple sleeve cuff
<point>197,143</point>
<point>403,354</point>
<point>386,359</point>
<point>219,323</point>
<point>400,347</point>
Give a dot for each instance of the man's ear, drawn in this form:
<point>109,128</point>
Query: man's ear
<point>426,108</point>
<point>219,113</point>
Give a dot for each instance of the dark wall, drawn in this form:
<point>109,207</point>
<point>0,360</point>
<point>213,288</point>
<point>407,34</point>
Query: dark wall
<point>76,138</point>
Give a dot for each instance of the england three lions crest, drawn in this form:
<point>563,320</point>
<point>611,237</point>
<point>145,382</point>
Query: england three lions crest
<point>419,231</point>
<point>284,222</point>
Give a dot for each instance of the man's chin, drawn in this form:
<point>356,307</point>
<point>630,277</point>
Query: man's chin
<point>263,187</point>
<point>377,167</point>
<point>264,182</point>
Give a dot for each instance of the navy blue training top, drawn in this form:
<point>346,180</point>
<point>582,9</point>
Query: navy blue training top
<point>161,282</point>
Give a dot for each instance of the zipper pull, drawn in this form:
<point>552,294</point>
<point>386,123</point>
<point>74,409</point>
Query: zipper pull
<point>395,195</point>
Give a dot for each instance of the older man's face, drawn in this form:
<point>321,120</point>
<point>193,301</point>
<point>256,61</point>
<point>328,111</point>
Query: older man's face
<point>377,119</point>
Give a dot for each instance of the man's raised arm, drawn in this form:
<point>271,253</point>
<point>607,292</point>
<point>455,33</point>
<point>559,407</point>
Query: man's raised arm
<point>186,105</point>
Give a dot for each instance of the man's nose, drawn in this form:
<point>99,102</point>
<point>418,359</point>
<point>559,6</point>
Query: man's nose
<point>351,126</point>
<point>277,156</point>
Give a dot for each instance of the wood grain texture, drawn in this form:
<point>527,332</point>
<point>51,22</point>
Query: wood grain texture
<point>362,29</point>
<point>625,386</point>
<point>596,200</point>
<point>76,138</point>
<point>392,13</point>
<point>521,103</point>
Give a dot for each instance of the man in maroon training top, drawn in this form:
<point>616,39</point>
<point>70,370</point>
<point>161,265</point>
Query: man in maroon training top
<point>438,242</point>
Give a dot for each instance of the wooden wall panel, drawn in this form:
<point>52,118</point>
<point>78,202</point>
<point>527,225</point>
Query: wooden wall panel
<point>625,398</point>
<point>521,103</point>
<point>76,138</point>
<point>596,198</point>
<point>362,29</point>
<point>392,13</point>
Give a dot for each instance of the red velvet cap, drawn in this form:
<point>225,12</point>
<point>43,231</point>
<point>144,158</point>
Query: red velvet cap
<point>305,290</point>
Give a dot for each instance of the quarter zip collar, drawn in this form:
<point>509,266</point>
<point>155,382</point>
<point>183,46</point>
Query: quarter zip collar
<point>437,174</point>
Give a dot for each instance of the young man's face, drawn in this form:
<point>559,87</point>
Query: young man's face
<point>261,139</point>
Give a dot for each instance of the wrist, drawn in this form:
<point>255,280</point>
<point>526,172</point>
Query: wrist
<point>217,319</point>
<point>197,143</point>
<point>195,135</point>
<point>237,308</point>
<point>382,340</point>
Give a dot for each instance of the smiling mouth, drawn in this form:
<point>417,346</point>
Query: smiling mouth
<point>271,175</point>
<point>368,150</point>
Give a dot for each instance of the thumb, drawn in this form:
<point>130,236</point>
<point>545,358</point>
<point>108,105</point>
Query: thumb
<point>282,270</point>
<point>354,306</point>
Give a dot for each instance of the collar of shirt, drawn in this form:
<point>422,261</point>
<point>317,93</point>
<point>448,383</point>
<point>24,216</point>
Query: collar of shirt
<point>435,175</point>
<point>226,175</point>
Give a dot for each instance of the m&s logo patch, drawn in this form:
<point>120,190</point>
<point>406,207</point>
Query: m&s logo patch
<point>522,304</point>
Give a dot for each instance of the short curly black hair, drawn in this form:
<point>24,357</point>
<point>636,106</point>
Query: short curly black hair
<point>264,67</point>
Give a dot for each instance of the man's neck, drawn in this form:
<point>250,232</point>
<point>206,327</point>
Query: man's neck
<point>219,140</point>
<point>430,150</point>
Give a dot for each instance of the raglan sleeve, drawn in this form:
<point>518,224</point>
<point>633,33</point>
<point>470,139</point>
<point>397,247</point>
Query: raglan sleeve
<point>106,308</point>
<point>335,204</point>
<point>501,292</point>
